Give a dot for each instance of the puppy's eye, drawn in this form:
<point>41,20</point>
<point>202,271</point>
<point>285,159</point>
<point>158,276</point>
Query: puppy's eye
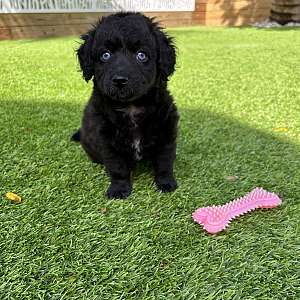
<point>141,56</point>
<point>105,56</point>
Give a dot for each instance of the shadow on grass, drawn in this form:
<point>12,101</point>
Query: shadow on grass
<point>210,148</point>
<point>66,226</point>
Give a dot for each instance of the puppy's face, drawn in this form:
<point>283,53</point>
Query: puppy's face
<point>126,54</point>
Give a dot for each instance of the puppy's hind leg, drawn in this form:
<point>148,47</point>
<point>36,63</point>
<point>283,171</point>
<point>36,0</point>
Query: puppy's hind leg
<point>76,138</point>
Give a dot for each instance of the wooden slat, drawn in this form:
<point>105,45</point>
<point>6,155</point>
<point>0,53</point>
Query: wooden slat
<point>169,19</point>
<point>237,5</point>
<point>284,18</point>
<point>171,15</point>
<point>285,2</point>
<point>293,10</point>
<point>238,19</point>
<point>234,14</point>
<point>230,2</point>
<point>10,20</point>
<point>47,31</point>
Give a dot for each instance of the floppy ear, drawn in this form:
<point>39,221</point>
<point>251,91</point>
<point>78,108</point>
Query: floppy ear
<point>84,53</point>
<point>166,53</point>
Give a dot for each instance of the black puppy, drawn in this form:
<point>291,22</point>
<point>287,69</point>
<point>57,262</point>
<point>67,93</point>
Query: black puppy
<point>130,115</point>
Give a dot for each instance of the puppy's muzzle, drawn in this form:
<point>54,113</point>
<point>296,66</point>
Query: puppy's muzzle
<point>119,81</point>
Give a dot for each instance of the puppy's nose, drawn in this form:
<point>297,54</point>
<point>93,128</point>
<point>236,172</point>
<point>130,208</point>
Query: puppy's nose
<point>119,81</point>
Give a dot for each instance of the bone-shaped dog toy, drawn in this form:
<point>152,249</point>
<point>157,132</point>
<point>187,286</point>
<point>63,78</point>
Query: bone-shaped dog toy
<point>216,218</point>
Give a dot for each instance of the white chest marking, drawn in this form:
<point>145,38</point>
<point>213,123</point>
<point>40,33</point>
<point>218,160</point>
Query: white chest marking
<point>132,112</point>
<point>137,147</point>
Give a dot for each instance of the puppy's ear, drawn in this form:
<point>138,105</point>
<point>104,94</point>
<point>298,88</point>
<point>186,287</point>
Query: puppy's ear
<point>84,53</point>
<point>166,53</point>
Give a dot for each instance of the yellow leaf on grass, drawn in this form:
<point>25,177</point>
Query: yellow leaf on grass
<point>281,129</point>
<point>13,197</point>
<point>103,210</point>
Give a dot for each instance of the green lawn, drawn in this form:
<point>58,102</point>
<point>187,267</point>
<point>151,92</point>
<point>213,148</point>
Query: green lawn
<point>238,92</point>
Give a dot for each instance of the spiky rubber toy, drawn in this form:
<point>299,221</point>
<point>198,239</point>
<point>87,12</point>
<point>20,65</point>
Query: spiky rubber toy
<point>216,218</point>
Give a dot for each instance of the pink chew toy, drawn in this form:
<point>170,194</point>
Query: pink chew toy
<point>216,218</point>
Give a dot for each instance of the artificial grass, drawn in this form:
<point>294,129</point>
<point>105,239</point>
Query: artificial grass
<point>238,94</point>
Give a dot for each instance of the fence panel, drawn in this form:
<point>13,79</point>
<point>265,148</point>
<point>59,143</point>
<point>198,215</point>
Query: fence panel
<point>54,6</point>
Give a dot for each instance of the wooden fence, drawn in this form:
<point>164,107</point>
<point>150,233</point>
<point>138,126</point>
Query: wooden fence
<point>207,12</point>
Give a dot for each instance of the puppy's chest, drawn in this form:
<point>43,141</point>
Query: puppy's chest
<point>132,118</point>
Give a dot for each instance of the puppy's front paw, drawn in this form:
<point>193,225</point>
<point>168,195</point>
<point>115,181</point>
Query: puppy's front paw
<point>166,184</point>
<point>118,191</point>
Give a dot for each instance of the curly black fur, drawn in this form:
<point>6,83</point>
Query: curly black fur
<point>135,118</point>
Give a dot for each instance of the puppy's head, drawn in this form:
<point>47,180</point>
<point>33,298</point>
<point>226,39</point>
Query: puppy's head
<point>127,54</point>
